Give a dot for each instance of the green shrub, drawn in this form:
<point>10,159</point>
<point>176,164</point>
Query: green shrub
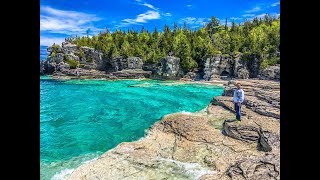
<point>53,54</point>
<point>269,62</point>
<point>72,63</point>
<point>56,48</point>
<point>81,54</point>
<point>81,65</point>
<point>89,59</point>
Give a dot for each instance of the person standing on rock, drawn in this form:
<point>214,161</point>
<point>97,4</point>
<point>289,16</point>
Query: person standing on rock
<point>238,97</point>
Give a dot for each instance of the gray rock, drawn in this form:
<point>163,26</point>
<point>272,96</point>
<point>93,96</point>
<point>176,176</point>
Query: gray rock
<point>119,63</point>
<point>88,58</point>
<point>57,58</point>
<point>68,48</point>
<point>240,68</point>
<point>72,56</point>
<point>243,73</point>
<point>134,63</point>
<point>215,66</point>
<point>168,68</point>
<point>256,168</point>
<point>62,67</point>
<point>192,76</point>
<point>246,133</point>
<point>271,73</point>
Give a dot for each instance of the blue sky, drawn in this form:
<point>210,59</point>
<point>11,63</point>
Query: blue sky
<point>64,18</point>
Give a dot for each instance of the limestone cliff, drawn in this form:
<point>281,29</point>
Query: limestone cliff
<point>72,60</point>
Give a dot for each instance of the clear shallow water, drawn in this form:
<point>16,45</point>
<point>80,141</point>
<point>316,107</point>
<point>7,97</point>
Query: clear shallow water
<point>81,119</point>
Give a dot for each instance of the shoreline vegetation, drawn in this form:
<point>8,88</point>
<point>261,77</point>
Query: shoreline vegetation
<point>248,50</point>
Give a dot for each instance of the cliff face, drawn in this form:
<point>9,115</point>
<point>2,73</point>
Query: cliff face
<point>168,68</point>
<point>72,60</point>
<point>229,66</point>
<point>272,72</point>
<point>204,145</point>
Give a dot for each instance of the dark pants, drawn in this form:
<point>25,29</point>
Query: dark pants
<point>238,110</point>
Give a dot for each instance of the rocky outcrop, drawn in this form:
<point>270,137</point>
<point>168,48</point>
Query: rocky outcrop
<point>168,68</point>
<point>218,65</point>
<point>119,63</point>
<point>211,67</point>
<point>203,145</point>
<point>72,60</point>
<point>236,65</point>
<point>271,73</point>
<point>85,56</point>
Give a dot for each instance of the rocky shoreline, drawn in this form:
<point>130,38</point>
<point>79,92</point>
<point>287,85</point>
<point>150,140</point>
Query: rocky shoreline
<point>72,61</point>
<point>203,145</point>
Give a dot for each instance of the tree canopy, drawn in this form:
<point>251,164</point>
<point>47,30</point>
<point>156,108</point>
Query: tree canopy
<point>259,38</point>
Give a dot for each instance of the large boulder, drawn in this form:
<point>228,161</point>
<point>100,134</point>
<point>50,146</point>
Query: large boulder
<point>168,68</point>
<point>246,133</point>
<point>271,73</point>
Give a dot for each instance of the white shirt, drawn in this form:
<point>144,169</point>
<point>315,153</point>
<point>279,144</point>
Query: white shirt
<point>238,95</point>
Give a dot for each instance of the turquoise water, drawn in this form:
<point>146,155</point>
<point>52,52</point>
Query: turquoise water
<point>81,119</point>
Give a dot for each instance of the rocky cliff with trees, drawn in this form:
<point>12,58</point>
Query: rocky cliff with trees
<point>247,50</point>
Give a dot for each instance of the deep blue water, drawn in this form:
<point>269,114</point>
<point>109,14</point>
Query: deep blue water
<point>81,119</point>
<point>43,52</point>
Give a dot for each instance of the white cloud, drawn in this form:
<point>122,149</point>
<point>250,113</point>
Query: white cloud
<point>141,18</point>
<point>167,14</point>
<point>144,17</point>
<point>248,15</point>
<point>149,6</point>
<point>255,9</point>
<point>66,22</point>
<point>275,4</point>
<point>48,41</point>
<point>194,22</point>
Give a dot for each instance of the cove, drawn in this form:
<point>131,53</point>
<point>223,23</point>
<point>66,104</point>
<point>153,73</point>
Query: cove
<point>82,119</point>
